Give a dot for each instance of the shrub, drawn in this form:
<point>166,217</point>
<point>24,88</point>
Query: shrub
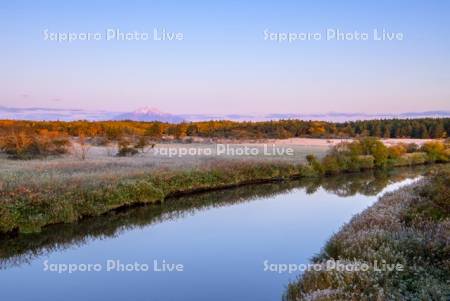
<point>411,147</point>
<point>307,171</point>
<point>434,201</point>
<point>365,153</point>
<point>368,153</point>
<point>311,158</point>
<point>436,151</point>
<point>143,142</point>
<point>376,148</point>
<point>417,158</point>
<point>330,165</point>
<point>126,151</point>
<point>365,161</point>
<point>396,151</point>
<point>407,159</point>
<point>315,164</point>
<point>28,145</point>
<point>126,148</point>
<point>132,145</point>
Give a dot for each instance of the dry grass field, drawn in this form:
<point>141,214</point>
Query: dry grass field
<point>91,180</point>
<point>101,162</point>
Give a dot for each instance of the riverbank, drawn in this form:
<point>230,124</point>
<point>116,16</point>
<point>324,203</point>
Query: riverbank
<point>28,203</point>
<point>22,248</point>
<point>29,207</point>
<point>409,227</point>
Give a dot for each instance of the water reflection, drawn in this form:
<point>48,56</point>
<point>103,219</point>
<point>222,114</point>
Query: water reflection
<point>16,250</point>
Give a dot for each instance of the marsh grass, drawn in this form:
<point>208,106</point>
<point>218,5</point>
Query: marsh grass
<point>53,190</point>
<point>47,201</point>
<point>410,226</point>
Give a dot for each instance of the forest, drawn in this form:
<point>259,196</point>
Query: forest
<point>282,129</point>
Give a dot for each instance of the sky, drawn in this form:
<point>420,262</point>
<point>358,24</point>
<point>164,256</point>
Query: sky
<point>224,62</point>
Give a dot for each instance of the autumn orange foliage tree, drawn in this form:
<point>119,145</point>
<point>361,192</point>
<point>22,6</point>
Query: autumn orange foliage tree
<point>115,130</point>
<point>26,144</point>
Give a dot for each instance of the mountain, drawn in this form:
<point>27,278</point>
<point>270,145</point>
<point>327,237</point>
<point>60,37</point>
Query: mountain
<point>38,113</point>
<point>153,114</point>
<point>149,114</point>
<point>332,116</point>
<point>342,117</point>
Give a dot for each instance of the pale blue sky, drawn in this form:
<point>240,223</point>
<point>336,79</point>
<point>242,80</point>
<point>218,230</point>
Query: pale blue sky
<point>224,65</point>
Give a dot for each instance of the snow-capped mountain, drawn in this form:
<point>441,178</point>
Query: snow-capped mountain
<point>148,110</point>
<point>149,114</point>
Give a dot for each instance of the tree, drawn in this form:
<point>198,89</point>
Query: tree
<point>387,132</point>
<point>192,129</point>
<point>424,132</point>
<point>27,144</point>
<point>377,131</point>
<point>376,148</point>
<point>438,130</point>
<point>84,147</point>
<point>16,144</point>
<point>155,130</point>
<point>180,131</point>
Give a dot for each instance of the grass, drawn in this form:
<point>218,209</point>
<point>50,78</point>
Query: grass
<point>37,193</point>
<point>410,226</point>
<point>102,164</point>
<point>30,207</point>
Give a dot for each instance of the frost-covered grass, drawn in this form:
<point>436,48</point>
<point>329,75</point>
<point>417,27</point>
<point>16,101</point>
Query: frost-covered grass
<point>33,200</point>
<point>411,227</point>
<point>102,164</point>
<point>35,193</point>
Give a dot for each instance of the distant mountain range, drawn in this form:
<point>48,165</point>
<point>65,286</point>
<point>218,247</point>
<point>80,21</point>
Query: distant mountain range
<point>149,114</point>
<point>36,113</point>
<point>153,114</point>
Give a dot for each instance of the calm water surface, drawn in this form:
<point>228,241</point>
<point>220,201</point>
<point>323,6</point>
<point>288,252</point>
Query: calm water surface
<point>221,238</point>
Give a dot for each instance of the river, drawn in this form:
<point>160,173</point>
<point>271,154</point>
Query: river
<point>208,246</point>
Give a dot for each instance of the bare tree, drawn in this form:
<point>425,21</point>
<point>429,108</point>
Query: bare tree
<point>83,147</point>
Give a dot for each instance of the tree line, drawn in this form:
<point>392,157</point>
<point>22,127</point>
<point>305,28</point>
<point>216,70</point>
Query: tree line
<point>114,130</point>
